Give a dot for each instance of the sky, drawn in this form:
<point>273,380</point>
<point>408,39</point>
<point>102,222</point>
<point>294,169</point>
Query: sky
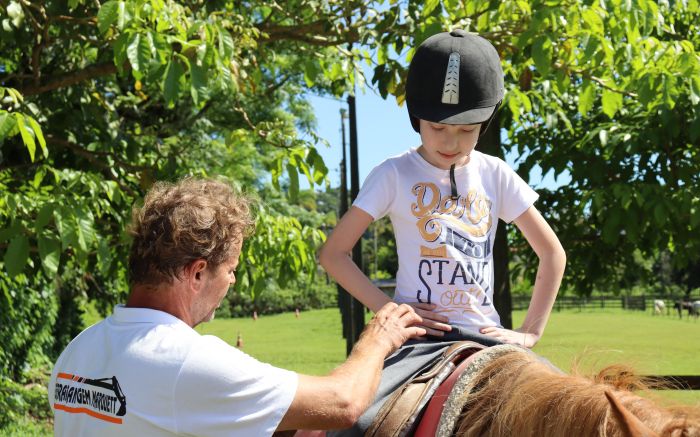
<point>383,130</point>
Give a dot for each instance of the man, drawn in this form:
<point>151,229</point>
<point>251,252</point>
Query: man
<point>145,371</point>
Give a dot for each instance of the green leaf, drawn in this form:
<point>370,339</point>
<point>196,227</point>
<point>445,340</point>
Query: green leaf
<point>44,216</point>
<point>611,227</point>
<point>612,102</point>
<point>198,89</point>
<point>50,254</point>
<point>593,20</point>
<point>62,218</point>
<point>429,6</point>
<point>542,53</point>
<point>171,85</point>
<point>120,45</point>
<point>660,214</point>
<point>132,53</point>
<point>9,232</point>
<point>293,182</point>
<point>7,125</point>
<point>586,98</point>
<point>107,15</point>
<point>27,136</point>
<point>39,135</point>
<point>226,45</point>
<point>84,229</point>
<point>122,15</point>
<point>139,53</point>
<point>17,255</point>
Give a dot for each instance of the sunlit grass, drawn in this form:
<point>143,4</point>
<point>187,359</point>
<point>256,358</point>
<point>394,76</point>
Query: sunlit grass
<point>653,345</point>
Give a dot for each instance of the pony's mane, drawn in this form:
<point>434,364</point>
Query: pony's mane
<point>519,395</point>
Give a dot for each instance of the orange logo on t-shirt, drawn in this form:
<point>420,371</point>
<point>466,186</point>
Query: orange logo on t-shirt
<point>100,398</point>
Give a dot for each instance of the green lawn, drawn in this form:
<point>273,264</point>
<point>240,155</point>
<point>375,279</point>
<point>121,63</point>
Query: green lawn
<point>655,345</point>
<point>313,344</point>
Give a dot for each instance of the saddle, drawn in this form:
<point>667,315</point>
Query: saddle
<point>429,404</point>
<point>402,412</point>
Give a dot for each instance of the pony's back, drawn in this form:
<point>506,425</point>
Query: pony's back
<point>518,395</point>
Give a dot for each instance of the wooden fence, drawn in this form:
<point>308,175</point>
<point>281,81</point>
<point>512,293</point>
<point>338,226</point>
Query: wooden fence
<point>639,303</point>
<point>632,303</point>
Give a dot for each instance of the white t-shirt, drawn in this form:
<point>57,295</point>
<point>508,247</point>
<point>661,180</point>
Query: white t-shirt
<point>445,247</point>
<point>143,372</point>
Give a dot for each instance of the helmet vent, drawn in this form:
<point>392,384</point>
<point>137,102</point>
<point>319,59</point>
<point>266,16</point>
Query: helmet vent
<point>450,91</point>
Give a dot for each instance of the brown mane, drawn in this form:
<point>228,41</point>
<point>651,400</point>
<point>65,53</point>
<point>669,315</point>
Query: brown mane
<point>518,395</point>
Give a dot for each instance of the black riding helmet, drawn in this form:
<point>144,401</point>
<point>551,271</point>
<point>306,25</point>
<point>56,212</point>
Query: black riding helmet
<point>454,78</point>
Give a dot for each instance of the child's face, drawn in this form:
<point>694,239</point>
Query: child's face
<point>447,144</point>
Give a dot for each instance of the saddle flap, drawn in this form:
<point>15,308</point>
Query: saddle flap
<point>400,413</point>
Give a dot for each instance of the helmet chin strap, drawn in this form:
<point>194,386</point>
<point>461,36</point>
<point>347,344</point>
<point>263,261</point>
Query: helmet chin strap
<point>482,130</point>
<point>484,126</point>
<point>453,183</point>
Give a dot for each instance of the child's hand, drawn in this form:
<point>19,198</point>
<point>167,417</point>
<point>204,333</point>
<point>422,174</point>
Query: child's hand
<point>434,323</point>
<point>515,336</point>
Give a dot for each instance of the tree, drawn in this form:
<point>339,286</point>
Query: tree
<point>99,100</point>
<point>607,91</point>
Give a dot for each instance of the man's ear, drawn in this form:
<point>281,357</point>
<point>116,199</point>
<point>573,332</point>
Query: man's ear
<point>193,273</point>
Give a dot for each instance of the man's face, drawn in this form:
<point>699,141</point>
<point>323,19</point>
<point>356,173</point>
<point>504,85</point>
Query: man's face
<point>446,144</point>
<point>217,283</point>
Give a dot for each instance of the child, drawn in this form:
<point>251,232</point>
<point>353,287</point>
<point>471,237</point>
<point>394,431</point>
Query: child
<point>444,200</point>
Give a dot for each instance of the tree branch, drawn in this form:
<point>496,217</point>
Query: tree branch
<point>261,133</point>
<point>310,33</point>
<point>598,80</point>
<point>72,78</point>
<point>97,158</point>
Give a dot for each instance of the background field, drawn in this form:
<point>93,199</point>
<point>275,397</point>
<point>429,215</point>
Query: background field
<point>653,345</point>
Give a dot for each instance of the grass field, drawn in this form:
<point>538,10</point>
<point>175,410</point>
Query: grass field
<point>653,345</point>
<point>313,344</point>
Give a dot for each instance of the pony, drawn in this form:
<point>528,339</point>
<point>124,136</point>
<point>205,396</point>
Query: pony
<point>509,391</point>
<point>659,306</point>
<point>518,394</point>
<point>681,305</point>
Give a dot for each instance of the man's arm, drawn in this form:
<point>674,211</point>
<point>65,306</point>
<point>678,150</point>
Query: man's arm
<point>336,401</point>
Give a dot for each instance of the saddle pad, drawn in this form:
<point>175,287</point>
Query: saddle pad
<point>429,422</point>
<point>464,385</point>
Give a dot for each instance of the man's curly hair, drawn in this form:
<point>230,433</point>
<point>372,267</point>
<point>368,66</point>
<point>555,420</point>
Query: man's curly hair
<point>185,221</point>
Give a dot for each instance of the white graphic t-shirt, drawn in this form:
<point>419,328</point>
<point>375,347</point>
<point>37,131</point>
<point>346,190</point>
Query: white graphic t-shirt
<point>142,372</point>
<point>445,246</point>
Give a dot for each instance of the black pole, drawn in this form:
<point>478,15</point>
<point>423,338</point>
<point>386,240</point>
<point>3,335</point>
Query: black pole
<point>343,296</point>
<point>490,143</point>
<point>357,310</point>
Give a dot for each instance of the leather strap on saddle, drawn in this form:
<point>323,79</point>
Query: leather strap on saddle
<point>401,413</point>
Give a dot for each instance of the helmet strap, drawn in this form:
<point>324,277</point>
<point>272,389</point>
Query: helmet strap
<point>415,123</point>
<point>453,183</point>
<point>485,125</point>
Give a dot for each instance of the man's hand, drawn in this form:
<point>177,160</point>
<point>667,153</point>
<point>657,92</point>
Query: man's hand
<point>392,325</point>
<point>336,401</point>
<point>516,336</point>
<point>434,323</point>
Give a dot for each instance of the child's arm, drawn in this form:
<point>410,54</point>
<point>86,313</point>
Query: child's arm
<point>335,258</point>
<point>552,257</point>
